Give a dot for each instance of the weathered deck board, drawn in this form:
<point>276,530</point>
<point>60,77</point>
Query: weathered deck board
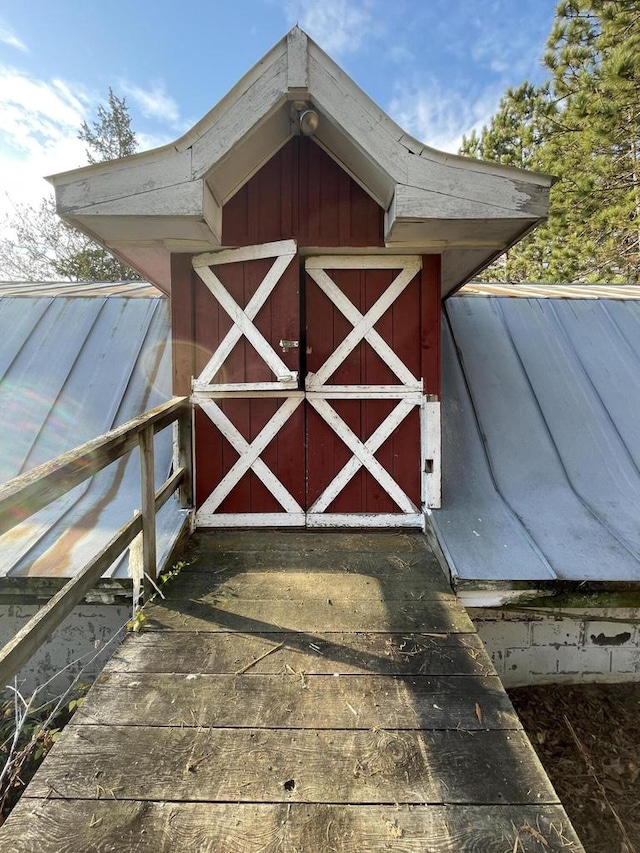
<point>350,654</point>
<point>296,693</point>
<point>70,826</point>
<point>295,583</point>
<point>306,542</point>
<point>310,615</point>
<point>317,766</point>
<point>300,701</point>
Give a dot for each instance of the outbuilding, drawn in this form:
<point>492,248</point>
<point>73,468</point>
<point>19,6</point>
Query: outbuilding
<point>306,242</point>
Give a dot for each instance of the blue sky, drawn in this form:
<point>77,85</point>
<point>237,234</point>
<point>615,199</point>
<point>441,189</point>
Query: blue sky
<point>438,67</point>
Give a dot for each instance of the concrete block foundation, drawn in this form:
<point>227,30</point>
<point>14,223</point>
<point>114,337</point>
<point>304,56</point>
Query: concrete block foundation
<point>91,631</point>
<point>554,646</point>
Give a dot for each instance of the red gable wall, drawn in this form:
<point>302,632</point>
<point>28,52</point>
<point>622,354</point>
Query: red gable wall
<point>300,193</point>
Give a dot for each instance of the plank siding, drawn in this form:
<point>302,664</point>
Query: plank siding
<point>182,322</point>
<point>431,322</point>
<point>302,193</point>
<point>277,319</point>
<point>215,456</point>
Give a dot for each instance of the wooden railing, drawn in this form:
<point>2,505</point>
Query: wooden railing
<point>25,495</point>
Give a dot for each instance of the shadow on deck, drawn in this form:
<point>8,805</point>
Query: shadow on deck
<point>297,692</point>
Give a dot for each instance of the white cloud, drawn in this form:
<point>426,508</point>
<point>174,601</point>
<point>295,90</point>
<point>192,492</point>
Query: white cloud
<point>513,43</point>
<point>440,117</point>
<point>154,103</point>
<point>39,123</point>
<point>8,37</point>
<point>339,26</point>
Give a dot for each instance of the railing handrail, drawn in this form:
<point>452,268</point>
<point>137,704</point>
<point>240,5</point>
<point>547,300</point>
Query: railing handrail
<point>26,494</point>
<point>30,492</point>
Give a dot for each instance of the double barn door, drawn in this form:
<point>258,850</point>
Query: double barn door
<point>309,407</point>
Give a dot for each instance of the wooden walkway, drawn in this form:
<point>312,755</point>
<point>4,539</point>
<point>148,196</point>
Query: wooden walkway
<point>297,693</point>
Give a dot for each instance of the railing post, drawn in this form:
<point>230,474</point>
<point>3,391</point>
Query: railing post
<point>25,495</point>
<point>147,480</point>
<point>185,456</point>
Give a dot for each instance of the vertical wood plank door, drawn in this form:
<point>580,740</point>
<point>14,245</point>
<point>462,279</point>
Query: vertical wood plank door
<point>249,413</point>
<point>364,391</point>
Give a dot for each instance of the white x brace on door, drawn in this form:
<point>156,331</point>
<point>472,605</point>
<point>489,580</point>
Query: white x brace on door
<point>407,391</point>
<point>277,406</point>
<point>282,389</point>
<point>243,318</point>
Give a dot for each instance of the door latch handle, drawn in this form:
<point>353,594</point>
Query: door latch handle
<point>287,345</point>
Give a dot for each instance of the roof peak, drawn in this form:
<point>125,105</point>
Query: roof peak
<point>171,199</point>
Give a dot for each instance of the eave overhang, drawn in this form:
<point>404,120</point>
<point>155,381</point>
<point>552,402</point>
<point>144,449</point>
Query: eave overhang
<point>170,199</point>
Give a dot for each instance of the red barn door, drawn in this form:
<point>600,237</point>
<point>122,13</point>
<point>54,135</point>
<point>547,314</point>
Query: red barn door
<point>364,391</point>
<point>249,417</point>
<point>342,447</point>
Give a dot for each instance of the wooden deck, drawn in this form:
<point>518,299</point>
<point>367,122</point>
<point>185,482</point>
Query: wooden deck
<point>297,693</point>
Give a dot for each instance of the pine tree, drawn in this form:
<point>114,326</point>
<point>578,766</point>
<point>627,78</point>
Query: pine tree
<point>41,245</point>
<point>594,58</point>
<point>515,137</point>
<point>111,136</point>
<point>582,126</point>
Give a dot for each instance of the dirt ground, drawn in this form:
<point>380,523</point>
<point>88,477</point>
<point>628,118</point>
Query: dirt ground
<point>588,738</point>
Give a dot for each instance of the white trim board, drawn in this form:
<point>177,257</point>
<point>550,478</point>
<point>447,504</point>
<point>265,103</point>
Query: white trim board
<point>365,519</point>
<point>249,519</point>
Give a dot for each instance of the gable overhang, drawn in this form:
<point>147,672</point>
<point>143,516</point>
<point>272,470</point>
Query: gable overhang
<point>170,199</point>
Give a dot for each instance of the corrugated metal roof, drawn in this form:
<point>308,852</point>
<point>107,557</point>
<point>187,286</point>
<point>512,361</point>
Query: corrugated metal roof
<point>79,288</point>
<point>551,291</point>
<point>71,368</point>
<point>541,439</point>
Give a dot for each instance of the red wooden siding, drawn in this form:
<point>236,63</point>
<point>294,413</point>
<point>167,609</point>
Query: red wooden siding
<point>399,326</point>
<point>430,328</point>
<point>199,323</point>
<point>277,320</point>
<point>302,193</point>
<point>183,283</point>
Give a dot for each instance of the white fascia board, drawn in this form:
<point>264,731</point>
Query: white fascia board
<point>412,203</point>
<point>117,179</point>
<point>273,58</point>
<point>241,118</point>
<point>357,117</point>
<point>185,199</point>
<point>184,184</point>
<point>297,60</point>
<point>467,189</point>
<point>406,161</point>
<point>169,164</point>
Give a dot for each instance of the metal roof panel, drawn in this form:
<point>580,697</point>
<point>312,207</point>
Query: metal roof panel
<point>73,368</point>
<point>549,392</point>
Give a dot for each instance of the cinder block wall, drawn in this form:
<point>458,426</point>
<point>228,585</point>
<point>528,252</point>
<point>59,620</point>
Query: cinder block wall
<point>568,645</point>
<point>91,630</point>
